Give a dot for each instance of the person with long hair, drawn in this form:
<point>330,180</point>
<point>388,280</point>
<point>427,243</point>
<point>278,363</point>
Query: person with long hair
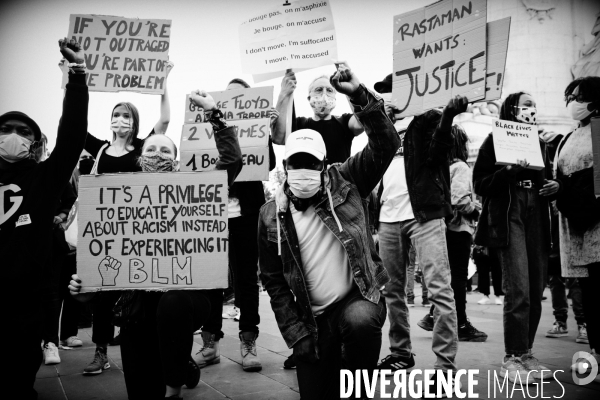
<point>515,223</point>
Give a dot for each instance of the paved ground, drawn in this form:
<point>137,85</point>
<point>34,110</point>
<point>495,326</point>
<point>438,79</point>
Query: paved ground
<point>227,380</point>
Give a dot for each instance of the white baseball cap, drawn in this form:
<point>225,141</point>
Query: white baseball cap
<point>305,141</point>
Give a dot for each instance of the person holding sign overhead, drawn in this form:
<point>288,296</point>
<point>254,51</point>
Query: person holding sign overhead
<point>515,222</point>
<point>31,191</point>
<point>119,155</point>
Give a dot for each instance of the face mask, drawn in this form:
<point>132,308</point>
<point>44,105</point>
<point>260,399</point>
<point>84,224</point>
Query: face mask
<point>14,148</point>
<point>527,115</point>
<point>156,162</point>
<point>120,125</point>
<point>579,111</point>
<point>304,183</point>
<point>322,104</point>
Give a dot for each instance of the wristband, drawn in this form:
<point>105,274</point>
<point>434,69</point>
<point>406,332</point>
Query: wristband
<point>216,119</point>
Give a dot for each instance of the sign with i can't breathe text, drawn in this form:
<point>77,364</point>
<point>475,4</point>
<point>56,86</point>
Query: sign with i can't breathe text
<point>123,54</point>
<point>153,231</point>
<point>439,52</point>
<point>516,141</point>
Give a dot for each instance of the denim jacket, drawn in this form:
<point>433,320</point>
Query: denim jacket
<point>348,186</point>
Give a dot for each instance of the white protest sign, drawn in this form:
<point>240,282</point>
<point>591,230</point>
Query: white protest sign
<point>497,47</point>
<point>439,52</point>
<point>299,35</point>
<point>235,104</point>
<point>153,231</point>
<point>123,54</point>
<point>516,141</point>
<point>199,151</point>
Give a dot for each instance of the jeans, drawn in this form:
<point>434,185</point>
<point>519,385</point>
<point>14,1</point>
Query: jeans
<point>103,330</point>
<point>524,263</point>
<point>349,337</point>
<point>558,286</point>
<point>429,240</point>
<point>155,352</point>
<point>589,287</point>
<point>410,277</point>
<point>71,308</point>
<point>485,265</point>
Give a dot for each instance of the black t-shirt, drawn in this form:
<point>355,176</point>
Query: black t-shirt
<point>335,132</point>
<point>110,164</point>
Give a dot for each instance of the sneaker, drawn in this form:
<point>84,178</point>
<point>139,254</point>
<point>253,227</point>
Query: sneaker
<point>193,374</point>
<point>73,341</point>
<point>538,371</point>
<point>209,352</point>
<point>51,354</point>
<point>498,301</point>
<point>426,323</point>
<point>238,316</point>
<point>516,371</point>
<point>250,360</point>
<point>289,363</point>
<point>395,362</point>
<point>116,340</point>
<point>582,336</point>
<point>468,333</point>
<point>559,329</point>
<point>231,313</point>
<point>484,300</point>
<point>99,364</point>
<point>410,302</point>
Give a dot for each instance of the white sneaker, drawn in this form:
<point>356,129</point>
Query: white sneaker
<point>231,313</point>
<point>516,371</point>
<point>538,371</point>
<point>498,301</point>
<point>73,341</point>
<point>582,336</point>
<point>51,354</point>
<point>484,300</point>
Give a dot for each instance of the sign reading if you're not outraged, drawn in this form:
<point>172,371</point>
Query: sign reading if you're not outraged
<point>122,54</point>
<point>153,231</point>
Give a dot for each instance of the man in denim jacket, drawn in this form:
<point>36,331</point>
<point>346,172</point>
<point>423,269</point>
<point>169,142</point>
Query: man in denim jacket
<point>317,256</point>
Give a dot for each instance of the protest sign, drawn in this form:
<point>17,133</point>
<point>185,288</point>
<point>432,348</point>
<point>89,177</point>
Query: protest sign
<point>298,35</point>
<point>497,47</point>
<point>235,104</point>
<point>153,231</point>
<point>199,151</point>
<point>516,141</point>
<point>439,52</point>
<point>123,54</point>
<point>596,150</point>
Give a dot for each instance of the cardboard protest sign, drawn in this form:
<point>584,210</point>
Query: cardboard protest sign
<point>153,231</point>
<point>596,149</point>
<point>516,141</point>
<point>199,151</point>
<point>123,54</point>
<point>235,104</point>
<point>439,52</point>
<point>299,35</point>
<point>497,47</point>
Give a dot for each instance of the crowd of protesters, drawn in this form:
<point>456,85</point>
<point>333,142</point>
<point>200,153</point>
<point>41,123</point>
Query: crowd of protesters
<point>336,248</point>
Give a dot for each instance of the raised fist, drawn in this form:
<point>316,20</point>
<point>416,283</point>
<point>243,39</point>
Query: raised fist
<point>109,269</point>
<point>71,51</point>
<point>203,100</point>
<point>288,83</point>
<point>457,105</point>
<point>344,80</point>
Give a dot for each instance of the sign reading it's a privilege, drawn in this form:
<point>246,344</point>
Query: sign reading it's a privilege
<point>153,231</point>
<point>439,52</point>
<point>516,141</point>
<point>123,54</point>
<point>298,35</point>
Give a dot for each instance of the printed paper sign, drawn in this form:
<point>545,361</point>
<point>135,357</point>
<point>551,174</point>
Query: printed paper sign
<point>439,52</point>
<point>516,141</point>
<point>235,104</point>
<point>596,151</point>
<point>299,35</point>
<point>153,231</point>
<point>497,47</point>
<point>123,54</point>
<point>199,151</point>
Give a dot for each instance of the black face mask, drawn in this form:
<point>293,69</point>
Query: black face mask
<point>86,165</point>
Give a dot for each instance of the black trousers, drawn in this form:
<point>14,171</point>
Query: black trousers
<point>103,330</point>
<point>485,265</point>
<point>53,293</point>
<point>590,304</point>
<point>71,308</point>
<point>168,326</point>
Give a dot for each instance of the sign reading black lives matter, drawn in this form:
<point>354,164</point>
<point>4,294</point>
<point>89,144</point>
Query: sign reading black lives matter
<point>122,54</point>
<point>439,52</point>
<point>153,231</point>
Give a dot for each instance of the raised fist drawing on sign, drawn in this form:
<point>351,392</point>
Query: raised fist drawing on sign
<point>109,269</point>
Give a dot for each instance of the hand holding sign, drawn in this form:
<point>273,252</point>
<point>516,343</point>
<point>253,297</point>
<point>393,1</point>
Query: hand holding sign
<point>519,166</point>
<point>109,269</point>
<point>169,66</point>
<point>344,80</point>
<point>71,50</point>
<point>288,83</point>
<point>203,100</point>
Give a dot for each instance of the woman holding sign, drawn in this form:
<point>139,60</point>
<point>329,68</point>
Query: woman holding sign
<point>579,208</point>
<point>515,222</point>
<point>119,155</point>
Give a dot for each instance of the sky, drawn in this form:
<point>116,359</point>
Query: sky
<point>204,47</point>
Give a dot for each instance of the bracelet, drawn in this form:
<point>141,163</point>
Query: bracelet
<point>80,67</point>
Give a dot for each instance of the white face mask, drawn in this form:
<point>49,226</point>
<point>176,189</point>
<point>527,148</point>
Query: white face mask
<point>304,183</point>
<point>527,115</point>
<point>579,111</point>
<point>14,147</point>
<point>120,125</point>
<point>322,104</point>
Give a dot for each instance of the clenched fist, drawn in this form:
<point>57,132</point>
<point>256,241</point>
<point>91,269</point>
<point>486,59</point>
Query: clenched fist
<point>109,269</point>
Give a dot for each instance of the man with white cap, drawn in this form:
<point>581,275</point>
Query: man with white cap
<point>317,256</point>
